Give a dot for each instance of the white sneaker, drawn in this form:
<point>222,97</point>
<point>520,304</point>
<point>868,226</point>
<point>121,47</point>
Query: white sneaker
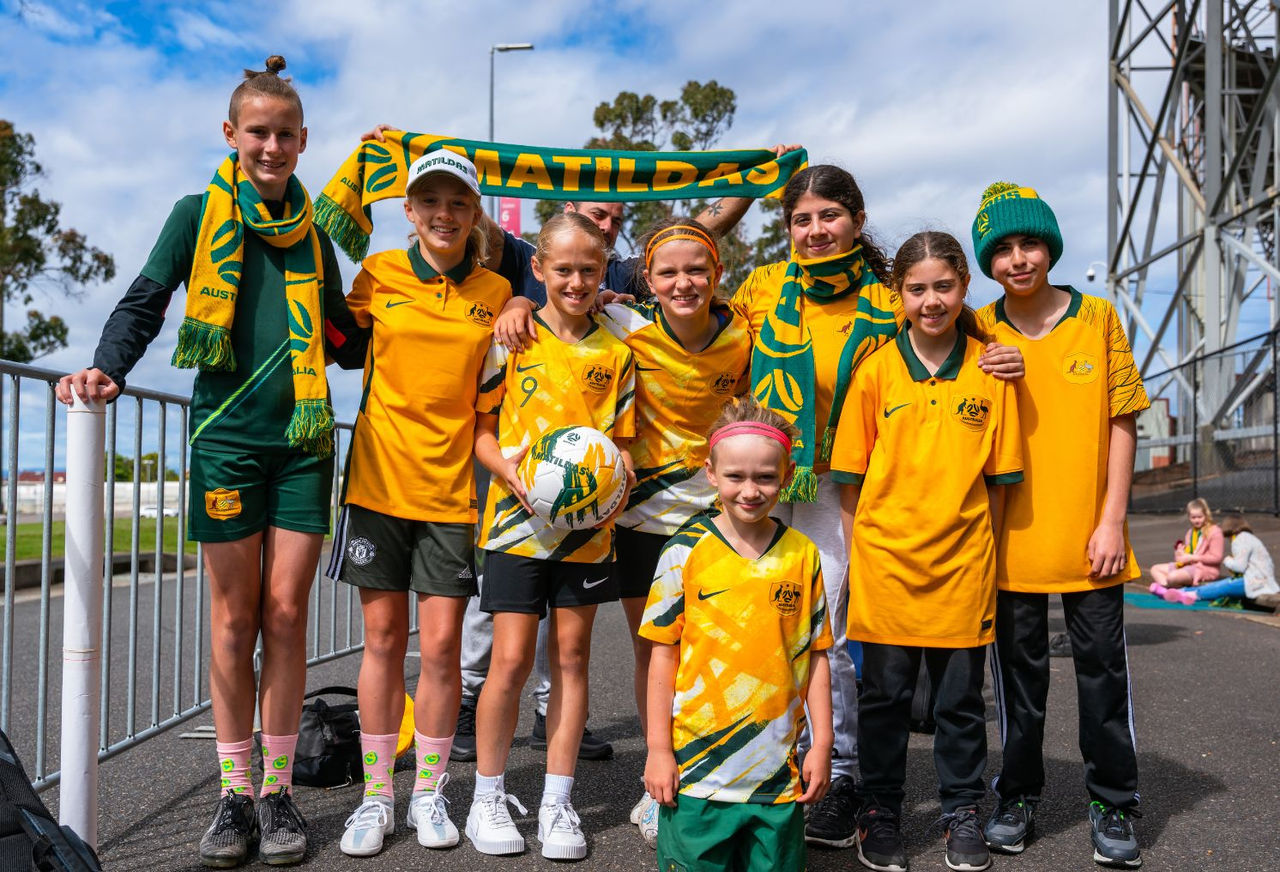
<point>429,813</point>
<point>489,824</point>
<point>560,832</point>
<point>649,823</point>
<point>637,811</point>
<point>368,826</point>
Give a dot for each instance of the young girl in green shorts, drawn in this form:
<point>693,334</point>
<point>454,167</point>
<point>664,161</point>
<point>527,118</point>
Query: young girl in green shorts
<point>263,293</point>
<point>692,354</point>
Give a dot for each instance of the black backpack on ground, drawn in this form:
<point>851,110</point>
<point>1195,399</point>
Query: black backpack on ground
<point>328,752</point>
<point>30,839</point>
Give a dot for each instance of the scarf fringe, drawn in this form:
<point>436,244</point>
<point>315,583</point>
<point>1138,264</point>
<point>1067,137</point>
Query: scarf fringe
<point>803,487</point>
<point>204,346</point>
<point>343,230</point>
<point>311,428</point>
<point>828,442</point>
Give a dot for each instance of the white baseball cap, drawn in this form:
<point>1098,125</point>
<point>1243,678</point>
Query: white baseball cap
<point>441,160</point>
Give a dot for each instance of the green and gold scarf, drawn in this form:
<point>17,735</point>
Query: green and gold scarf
<point>378,170</point>
<point>783,377</point>
<point>230,204</point>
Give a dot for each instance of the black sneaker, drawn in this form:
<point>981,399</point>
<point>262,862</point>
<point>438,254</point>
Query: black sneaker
<point>833,821</point>
<point>226,843</point>
<point>590,748</point>
<point>966,850</point>
<point>1010,825</point>
<point>1114,843</point>
<point>880,844</point>
<point>282,829</point>
<point>464,736</point>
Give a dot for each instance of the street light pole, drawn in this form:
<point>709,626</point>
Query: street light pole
<point>493,49</point>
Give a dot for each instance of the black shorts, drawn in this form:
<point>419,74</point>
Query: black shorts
<point>637,560</point>
<point>384,552</point>
<point>528,585</point>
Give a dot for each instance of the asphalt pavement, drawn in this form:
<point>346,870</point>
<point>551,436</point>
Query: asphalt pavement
<point>1208,723</point>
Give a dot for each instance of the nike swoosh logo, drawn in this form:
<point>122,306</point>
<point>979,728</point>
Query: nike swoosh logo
<point>520,368</point>
<point>707,596</point>
<point>587,585</point>
<point>392,305</point>
<point>888,412</point>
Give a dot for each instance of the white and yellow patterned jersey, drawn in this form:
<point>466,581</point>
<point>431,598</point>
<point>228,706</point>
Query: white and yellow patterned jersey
<point>679,395</point>
<point>746,630</point>
<point>552,383</point>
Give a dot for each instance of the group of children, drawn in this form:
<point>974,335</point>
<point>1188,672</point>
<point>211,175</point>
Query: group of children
<point>845,453</point>
<point>1200,559</point>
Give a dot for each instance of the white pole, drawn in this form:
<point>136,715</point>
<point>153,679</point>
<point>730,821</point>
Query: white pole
<point>82,620</point>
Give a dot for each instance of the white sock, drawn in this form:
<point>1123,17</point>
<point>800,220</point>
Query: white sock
<point>490,784</point>
<point>556,788</point>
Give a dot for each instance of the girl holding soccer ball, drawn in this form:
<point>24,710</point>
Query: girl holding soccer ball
<point>573,373</point>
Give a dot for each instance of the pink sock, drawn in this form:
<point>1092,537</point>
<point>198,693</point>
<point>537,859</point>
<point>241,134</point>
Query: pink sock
<point>433,760</point>
<point>1157,588</point>
<point>1188,597</point>
<point>277,762</point>
<point>379,763</point>
<point>233,758</point>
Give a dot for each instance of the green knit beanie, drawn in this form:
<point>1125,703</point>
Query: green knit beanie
<point>1007,209</point>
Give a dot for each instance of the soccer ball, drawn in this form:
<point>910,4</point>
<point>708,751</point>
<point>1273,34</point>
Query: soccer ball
<point>573,477</point>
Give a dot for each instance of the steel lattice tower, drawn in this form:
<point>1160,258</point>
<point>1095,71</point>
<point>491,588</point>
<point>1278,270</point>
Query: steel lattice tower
<point>1193,138</point>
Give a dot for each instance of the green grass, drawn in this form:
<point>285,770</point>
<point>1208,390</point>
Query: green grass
<point>29,538</point>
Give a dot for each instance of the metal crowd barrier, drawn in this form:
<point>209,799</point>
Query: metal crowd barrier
<point>153,643</point>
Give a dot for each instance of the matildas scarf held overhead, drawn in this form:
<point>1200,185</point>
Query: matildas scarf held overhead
<point>231,204</point>
<point>378,170</point>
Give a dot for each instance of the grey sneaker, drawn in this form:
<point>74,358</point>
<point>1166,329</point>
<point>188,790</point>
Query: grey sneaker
<point>226,843</point>
<point>1114,843</point>
<point>1010,825</point>
<point>283,830</point>
<point>966,851</point>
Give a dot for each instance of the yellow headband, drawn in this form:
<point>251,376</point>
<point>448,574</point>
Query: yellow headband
<point>680,231</point>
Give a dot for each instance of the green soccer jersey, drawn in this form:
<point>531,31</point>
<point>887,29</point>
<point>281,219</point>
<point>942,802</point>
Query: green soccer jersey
<point>249,407</point>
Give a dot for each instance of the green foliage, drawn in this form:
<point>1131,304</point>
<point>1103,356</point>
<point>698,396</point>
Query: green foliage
<point>125,466</point>
<point>695,121</point>
<point>36,252</point>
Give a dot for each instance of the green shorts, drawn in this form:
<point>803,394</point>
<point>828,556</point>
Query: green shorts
<point>232,495</point>
<point>383,552</point>
<point>703,835</point>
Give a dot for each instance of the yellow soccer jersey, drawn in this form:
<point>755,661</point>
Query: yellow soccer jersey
<point>924,448</point>
<point>1079,376</point>
<point>746,630</point>
<point>829,325</point>
<point>589,383</point>
<point>411,447</point>
<point>679,395</point>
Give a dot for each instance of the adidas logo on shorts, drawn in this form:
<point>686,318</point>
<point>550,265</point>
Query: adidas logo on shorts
<point>465,573</point>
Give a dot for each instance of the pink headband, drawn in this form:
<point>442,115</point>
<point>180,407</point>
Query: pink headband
<point>755,428</point>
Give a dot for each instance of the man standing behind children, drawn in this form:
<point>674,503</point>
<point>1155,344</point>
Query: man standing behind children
<point>1064,529</point>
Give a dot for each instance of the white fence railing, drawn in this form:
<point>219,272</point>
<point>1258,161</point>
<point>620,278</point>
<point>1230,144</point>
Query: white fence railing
<point>144,629</point>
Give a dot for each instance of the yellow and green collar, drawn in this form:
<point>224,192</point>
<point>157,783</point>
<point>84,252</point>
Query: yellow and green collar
<point>427,273</point>
<point>915,367</point>
<point>1073,308</point>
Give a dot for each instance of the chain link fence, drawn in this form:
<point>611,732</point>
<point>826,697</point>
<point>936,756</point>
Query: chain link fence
<point>1211,432</point>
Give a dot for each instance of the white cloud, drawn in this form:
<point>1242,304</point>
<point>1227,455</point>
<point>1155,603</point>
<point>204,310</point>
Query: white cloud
<point>925,102</point>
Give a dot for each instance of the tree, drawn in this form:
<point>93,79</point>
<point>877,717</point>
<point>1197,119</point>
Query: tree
<point>693,122</point>
<point>36,253</point>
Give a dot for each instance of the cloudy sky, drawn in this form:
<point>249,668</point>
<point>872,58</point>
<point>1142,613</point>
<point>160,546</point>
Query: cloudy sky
<point>924,102</point>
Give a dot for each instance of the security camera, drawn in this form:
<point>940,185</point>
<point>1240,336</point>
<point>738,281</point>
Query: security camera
<point>1090,275</point>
